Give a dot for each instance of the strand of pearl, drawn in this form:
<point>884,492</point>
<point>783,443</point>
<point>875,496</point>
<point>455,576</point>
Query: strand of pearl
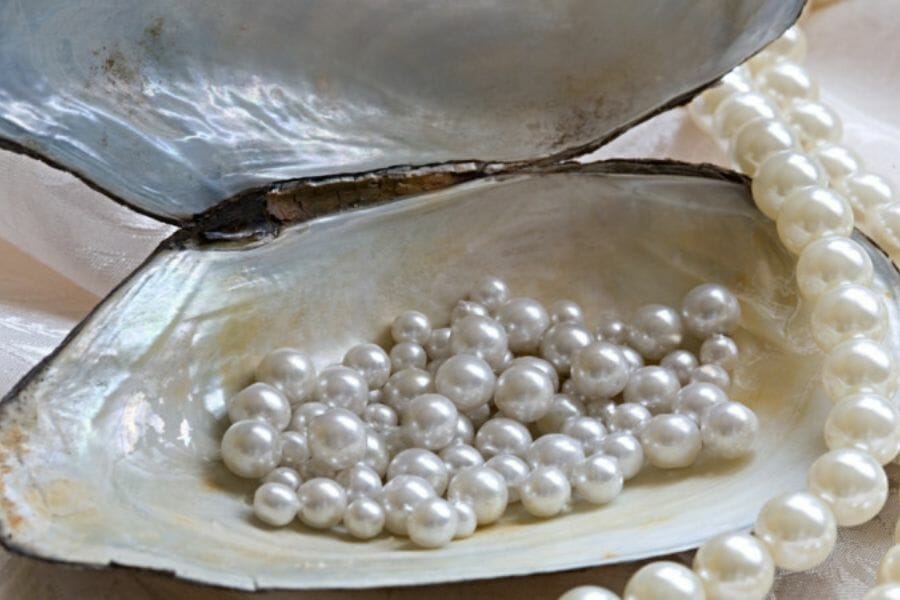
<point>776,131</point>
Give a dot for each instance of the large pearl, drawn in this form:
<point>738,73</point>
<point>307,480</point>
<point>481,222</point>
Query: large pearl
<point>361,480</point>
<point>408,355</point>
<point>364,518</point>
<point>671,441</point>
<point>814,123</point>
<point>466,519</point>
<point>430,421</point>
<point>811,213</point>
<point>503,436</point>
<point>589,592</point>
<point>786,80</point>
<point>561,342</point>
<point>546,492</point>
<point>562,409</point>
<point>294,449</point>
<point>838,161</point>
<point>655,331</point>
<point>681,362</point>
<point>342,387</point>
<point>432,524</point>
<point>694,399</point>
<point>260,401</point>
<point>887,591</point>
<point>275,504</point>
<point>322,503</point>
<point>304,413</point>
<point>285,476</point>
<point>779,175</point>
<point>629,417</point>
<point>719,350</point>
<point>598,479</point>
<point>709,309</point>
<point>337,438</point>
<point>490,292</point>
<point>859,365</point>
<point>588,431</point>
<point>799,530</point>
<point>289,370</point>
<point>483,488</point>
<point>371,361</point>
<point>525,321</point>
<point>399,497</point>
<point>654,387</point>
<point>438,344</point>
<point>421,463</point>
<point>714,374</point>
<point>867,422</point>
<point>251,448</point>
<point>539,363</point>
<point>626,449</point>
<point>664,580</point>
<point>866,193</point>
<point>735,566</point>
<point>524,393</point>
<point>829,262</point>
<point>848,311</point>
<point>599,371</point>
<point>729,430</point>
<point>889,567</point>
<point>468,381</point>
<point>736,111</point>
<point>555,450</point>
<point>411,326</point>
<point>513,469</point>
<point>757,140</point>
<point>851,482</point>
<point>703,107</point>
<point>407,384</point>
<point>479,336</point>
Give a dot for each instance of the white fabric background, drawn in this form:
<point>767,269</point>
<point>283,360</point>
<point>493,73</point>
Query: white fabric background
<point>64,246</point>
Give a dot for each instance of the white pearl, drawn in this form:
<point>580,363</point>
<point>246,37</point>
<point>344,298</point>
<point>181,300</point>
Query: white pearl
<point>466,519</point>
<point>829,262</point>
<point>629,417</point>
<point>555,450</point>
<point>465,431</point>
<point>405,385</point>
<point>736,111</point>
<point>838,161</point>
<point>480,415</point>
<point>461,457</point>
<point>703,106</point>
<point>634,358</point>
<point>588,431</point>
<point>337,438</point>
<point>479,336</point>
<point>848,311</point>
<point>483,488</point>
<point>814,123</point>
<point>294,449</point>
<point>411,326</point>
<point>464,309</point>
<point>525,321</point>
<point>735,566</point>
<point>502,436</point>
<point>729,430</point>
<point>360,480</point>
<point>560,343</point>
<point>275,504</point>
<point>664,580</point>
<point>421,463</point>
<point>523,393</point>
<point>780,174</point>
<point>654,387</point>
<point>342,387</point>
<point>598,479</point>
<point>376,453</point>
<point>759,139</point>
<point>866,193</point>
<point>791,45</point>
<point>627,449</point>
<point>396,441</point>
<point>370,361</point>
<point>798,529</point>
<point>566,311</point>
<point>399,497</point>
<point>513,469</point>
<point>851,482</point>
<point>885,224</point>
<point>889,567</point>
<point>285,476</point>
<point>655,331</point>
<point>316,468</point>
<point>680,362</point>
<point>408,355</point>
<point>694,399</point>
<point>887,591</point>
<point>438,344</point>
<point>858,365</point>
<point>601,409</point>
<point>322,503</point>
<point>430,421</point>
<point>599,370</point>
<point>671,441</point>
<point>540,363</point>
<point>612,330</point>
<point>709,309</point>
<point>289,370</point>
<point>304,413</point>
<point>432,524</point>
<point>505,363</point>
<point>490,292</point>
<point>786,80</point>
<point>546,492</point>
<point>468,381</point>
<point>720,350</point>
<point>713,374</point>
<point>380,417</point>
<point>364,518</point>
<point>812,213</point>
<point>260,401</point>
<point>589,592</point>
<point>562,408</point>
<point>251,448</point>
<point>761,61</point>
<point>866,422</point>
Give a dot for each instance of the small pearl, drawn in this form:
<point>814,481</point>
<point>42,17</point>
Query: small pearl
<point>294,449</point>
<point>599,370</point>
<point>761,61</point>
<point>465,309</point>
<point>465,431</point>
<point>359,481</point>
<point>490,292</point>
<point>260,401</point>
<point>814,123</point>
<point>432,524</point>
<point>786,80</point>
<point>525,321</point>
<point>539,363</point>
<point>430,421</point>
<point>719,350</point>
<point>370,361</point>
<point>251,448</point>
<point>438,344</point>
<point>851,482</point>
<point>812,213</point>
<point>798,529</point>
<point>566,311</point>
<point>546,492</point>
<point>316,468</point>
<point>703,107</point>
<point>285,476</point>
<point>479,416</point>
<point>664,580</point>
<point>466,519</point>
<point>838,161</point>
<point>888,591</point>
<point>380,417</point>
<point>483,488</point>
<point>399,497</point>
<point>729,430</point>
<point>694,399</point>
<point>671,441</point>
<point>468,381</point>
<point>562,408</point>
<point>889,567</point>
<point>479,336</point>
<point>845,312</point>
<point>560,343</point>
<point>759,139</point>
<point>867,422</point>
<point>709,309</point>
<point>829,262</point>
<point>337,438</point>
<point>601,409</point>
<point>629,417</point>
<point>375,397</point>
<point>885,225</point>
<point>376,453</point>
<point>782,173</point>
<point>503,436</point>
<point>627,450</point>
<point>735,566</point>
<point>611,330</point>
<point>304,413</point>
<point>405,385</point>
<point>555,450</point>
<point>275,504</point>
<point>598,479</point>
<point>713,374</point>
<point>408,355</point>
<point>588,431</point>
<point>589,592</point>
<point>655,331</point>
<point>513,469</point>
<point>411,326</point>
<point>523,393</point>
<point>681,362</point>
<point>856,366</point>
<point>342,387</point>
<point>634,358</point>
<point>322,503</point>
<point>735,112</point>
<point>866,193</point>
<point>289,370</point>
<point>421,463</point>
<point>364,518</point>
<point>461,457</point>
<point>654,387</point>
<point>791,45</point>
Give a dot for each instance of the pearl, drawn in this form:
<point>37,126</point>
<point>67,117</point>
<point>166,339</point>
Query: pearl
<point>523,393</point>
<point>479,416</point>
<point>829,262</point>
<point>611,330</point>
<point>399,497</point>
<point>396,441</point>
<point>360,481</point>
<point>601,409</point>
<point>411,326</point>
<point>294,449</point>
<point>735,566</point>
<point>560,343</point>
<point>375,397</point>
<point>664,580</point>
<point>479,336</point>
<point>848,311</point>
<point>432,524</point>
<point>285,476</point>
<point>798,529</point>
<point>626,449</point>
<point>814,123</point>
<point>851,482</point>
<point>370,361</point>
<point>598,479</point>
<point>342,387</point>
<point>867,422</point>
<point>703,107</point>
<point>546,492</point>
<point>503,436</point>
<point>740,109</point>
<point>654,387</point>
<point>322,503</point>
<point>866,193</point>
<point>782,173</point>
<point>260,401</point>
<point>513,469</point>
<point>465,309</point>
<point>791,45</point>
<point>337,438</point>
<point>599,370</point>
<point>709,309</point>
<point>376,453</point>
<point>525,321</point>
<point>761,60</point>
<point>562,408</point>
<point>694,399</point>
<point>490,292</point>
<point>364,518</point>
<point>566,311</point>
<point>858,365</point>
<point>421,463</point>
<point>465,431</point>
<point>304,413</point>
<point>289,370</point>
<point>588,431</point>
<point>430,421</point>
<point>405,385</point>
<point>812,213</point>
<point>889,567</point>
<point>713,374</point>
<point>466,519</point>
<point>275,504</point>
<point>408,355</point>
<point>483,488</point>
<point>468,381</point>
<point>316,468</point>
<point>720,350</point>
<point>438,344</point>
<point>588,592</point>
<point>629,417</point>
<point>655,331</point>
<point>251,448</point>
<point>539,363</point>
<point>671,441</point>
<point>885,224</point>
<point>680,362</point>
<point>758,139</point>
<point>838,161</point>
<point>461,457</point>
<point>785,80</point>
<point>380,417</point>
<point>635,360</point>
<point>888,591</point>
<point>729,429</point>
<point>555,450</point>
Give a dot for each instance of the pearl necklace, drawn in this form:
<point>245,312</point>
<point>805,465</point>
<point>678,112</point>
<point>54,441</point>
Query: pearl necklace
<point>767,113</point>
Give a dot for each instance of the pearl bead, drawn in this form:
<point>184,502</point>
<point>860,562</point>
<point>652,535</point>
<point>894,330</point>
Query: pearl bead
<point>316,468</point>
<point>275,504</point>
<point>885,224</point>
<point>479,416</point>
<point>465,309</point>
<point>889,567</point>
<point>408,355</point>
<point>848,311</point>
<point>364,518</point>
<point>468,381</point>
<point>635,360</point>
<point>359,481</point>
<point>589,592</point>
<point>598,479</point>
<point>490,292</point>
<point>285,476</point>
<point>304,413</point>
<point>560,343</point>
<point>513,469</point>
<point>289,370</point>
<point>337,438</point>
<point>421,463</point>
<point>626,449</point>
<point>546,492</point>
<point>539,363</point>
<point>562,408</point>
<point>465,431</point>
<point>599,370</point>
<point>376,453</point>
<point>322,503</point>
<point>866,422</point>
<point>703,107</point>
<point>866,193</point>
<point>791,45</point>
<point>430,421</point>
<point>735,112</point>
<point>629,417</point>
<point>758,139</point>
<point>380,417</point>
<point>405,385</point>
<point>655,331</point>
<point>411,326</point>
<point>720,350</point>
<point>396,441</point>
<point>523,393</point>
<point>438,344</point>
<point>713,374</point>
<point>251,448</point>
<point>525,321</point>
<point>432,524</point>
<point>664,580</point>
<point>503,436</point>
<point>566,311</point>
<point>611,330</point>
<point>601,409</point>
<point>709,309</point>
<point>588,431</point>
<point>370,361</point>
<point>694,399</point>
<point>680,362</point>
<point>812,213</point>
<point>399,497</point>
<point>829,262</point>
<point>838,161</point>
<point>785,80</point>
<point>555,450</point>
<point>729,429</point>
<point>294,449</point>
<point>799,530</point>
<point>735,566</point>
<point>761,61</point>
<point>654,387</point>
<point>461,457</point>
<point>260,401</point>
<point>671,441</point>
<point>483,488</point>
<point>858,365</point>
<point>342,387</point>
<point>782,173</point>
<point>888,591</point>
<point>851,482</point>
<point>479,336</point>
<point>814,123</point>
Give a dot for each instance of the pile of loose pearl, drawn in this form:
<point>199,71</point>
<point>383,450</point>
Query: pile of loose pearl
<point>442,433</point>
<point>766,112</point>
